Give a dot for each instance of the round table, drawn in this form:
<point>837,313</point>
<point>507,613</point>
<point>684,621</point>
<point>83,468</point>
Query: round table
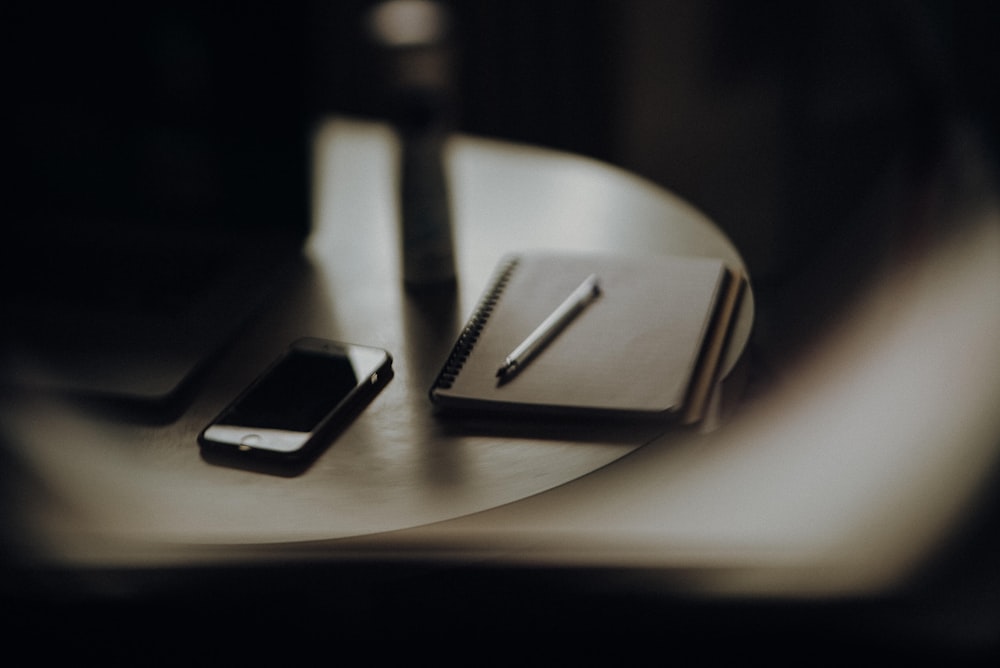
<point>128,490</point>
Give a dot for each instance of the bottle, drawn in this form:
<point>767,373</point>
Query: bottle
<point>412,37</point>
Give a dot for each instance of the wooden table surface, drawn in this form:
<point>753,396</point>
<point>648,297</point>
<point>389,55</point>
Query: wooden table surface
<point>114,490</point>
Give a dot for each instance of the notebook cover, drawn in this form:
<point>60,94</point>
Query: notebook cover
<point>635,350</point>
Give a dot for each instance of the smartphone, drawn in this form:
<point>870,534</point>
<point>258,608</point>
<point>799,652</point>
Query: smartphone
<point>298,403</point>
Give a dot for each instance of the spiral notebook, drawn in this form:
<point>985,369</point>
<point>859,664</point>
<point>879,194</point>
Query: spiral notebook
<point>649,345</point>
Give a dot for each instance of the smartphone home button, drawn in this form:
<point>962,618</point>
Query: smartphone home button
<point>250,441</point>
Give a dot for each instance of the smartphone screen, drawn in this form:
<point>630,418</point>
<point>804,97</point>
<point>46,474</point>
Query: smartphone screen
<point>285,409</point>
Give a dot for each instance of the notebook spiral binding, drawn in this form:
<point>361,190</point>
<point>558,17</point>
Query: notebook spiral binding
<point>470,333</point>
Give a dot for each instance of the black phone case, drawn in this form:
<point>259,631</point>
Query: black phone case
<point>293,463</point>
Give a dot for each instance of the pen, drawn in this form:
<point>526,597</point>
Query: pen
<point>550,327</point>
